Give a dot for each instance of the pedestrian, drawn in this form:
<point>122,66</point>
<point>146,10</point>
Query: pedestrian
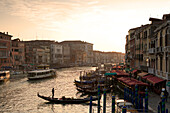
<point>166,95</point>
<point>53,93</point>
<point>160,105</point>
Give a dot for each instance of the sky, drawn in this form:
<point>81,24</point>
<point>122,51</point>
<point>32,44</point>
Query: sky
<point>104,23</point>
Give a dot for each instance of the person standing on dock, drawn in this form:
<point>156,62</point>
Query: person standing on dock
<point>53,93</point>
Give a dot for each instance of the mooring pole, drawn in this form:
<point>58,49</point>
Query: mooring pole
<point>146,100</point>
<point>136,96</point>
<point>104,101</point>
<point>113,104</point>
<point>98,99</point>
<point>90,110</point>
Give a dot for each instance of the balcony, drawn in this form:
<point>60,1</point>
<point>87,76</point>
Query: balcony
<point>3,56</point>
<point>151,70</point>
<point>159,50</point>
<point>165,75</point>
<point>3,47</point>
<point>167,49</point>
<point>151,50</point>
<point>144,68</point>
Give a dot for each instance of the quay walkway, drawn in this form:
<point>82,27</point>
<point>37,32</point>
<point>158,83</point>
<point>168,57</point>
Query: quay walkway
<point>153,102</point>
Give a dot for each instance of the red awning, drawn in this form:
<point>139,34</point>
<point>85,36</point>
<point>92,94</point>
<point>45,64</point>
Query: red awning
<point>154,80</point>
<point>134,71</point>
<point>131,81</point>
<point>147,76</point>
<point>113,71</point>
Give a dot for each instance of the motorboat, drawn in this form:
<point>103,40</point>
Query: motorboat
<point>4,76</point>
<point>40,74</point>
<point>129,106</point>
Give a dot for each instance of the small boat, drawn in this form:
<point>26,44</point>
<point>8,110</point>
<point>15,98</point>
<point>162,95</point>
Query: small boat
<point>66,100</point>
<point>4,76</point>
<point>129,106</point>
<point>40,74</point>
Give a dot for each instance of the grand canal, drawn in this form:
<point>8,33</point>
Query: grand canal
<point>20,95</point>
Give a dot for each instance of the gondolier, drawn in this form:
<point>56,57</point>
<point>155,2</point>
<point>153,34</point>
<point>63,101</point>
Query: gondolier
<point>53,93</point>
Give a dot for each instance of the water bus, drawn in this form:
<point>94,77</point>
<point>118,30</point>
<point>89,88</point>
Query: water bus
<point>42,71</point>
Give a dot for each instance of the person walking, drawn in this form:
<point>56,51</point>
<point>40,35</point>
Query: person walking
<point>166,95</point>
<point>53,93</point>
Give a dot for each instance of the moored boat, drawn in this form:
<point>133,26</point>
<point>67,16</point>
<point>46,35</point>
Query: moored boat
<point>40,74</point>
<point>4,76</point>
<point>129,106</point>
<point>64,100</point>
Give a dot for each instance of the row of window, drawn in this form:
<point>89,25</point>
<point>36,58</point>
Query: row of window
<point>7,38</point>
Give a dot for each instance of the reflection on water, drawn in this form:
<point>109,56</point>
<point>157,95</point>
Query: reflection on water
<point>21,95</point>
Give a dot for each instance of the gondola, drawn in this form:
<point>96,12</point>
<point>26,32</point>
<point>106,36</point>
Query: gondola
<point>66,100</point>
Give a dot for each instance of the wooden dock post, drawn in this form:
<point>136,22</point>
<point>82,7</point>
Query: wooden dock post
<point>166,110</point>
<point>146,100</point>
<point>136,96</point>
<point>104,101</point>
<point>141,104</point>
<point>90,110</point>
<point>158,109</point>
<point>113,104</point>
<point>132,97</point>
<point>98,99</point>
<point>124,109</point>
<point>125,93</point>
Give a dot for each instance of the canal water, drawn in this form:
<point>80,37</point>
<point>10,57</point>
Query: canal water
<point>20,95</point>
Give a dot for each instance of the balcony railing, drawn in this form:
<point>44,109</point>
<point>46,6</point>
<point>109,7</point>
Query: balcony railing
<point>3,56</point>
<point>162,74</point>
<point>151,50</point>
<point>3,47</point>
<point>144,68</point>
<point>151,70</point>
<point>167,49</point>
<point>159,49</point>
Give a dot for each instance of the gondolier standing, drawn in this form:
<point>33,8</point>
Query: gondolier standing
<point>53,93</point>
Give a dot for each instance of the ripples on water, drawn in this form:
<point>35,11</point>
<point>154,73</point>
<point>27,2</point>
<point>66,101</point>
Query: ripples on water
<point>21,95</point>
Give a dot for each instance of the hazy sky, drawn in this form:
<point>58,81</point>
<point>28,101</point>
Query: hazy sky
<point>105,23</point>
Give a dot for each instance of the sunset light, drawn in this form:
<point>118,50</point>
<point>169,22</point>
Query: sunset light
<point>104,23</point>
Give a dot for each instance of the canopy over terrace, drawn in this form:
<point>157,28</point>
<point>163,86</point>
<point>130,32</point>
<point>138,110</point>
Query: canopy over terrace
<point>142,74</point>
<point>110,74</point>
<point>120,73</point>
<point>154,80</point>
<point>131,81</point>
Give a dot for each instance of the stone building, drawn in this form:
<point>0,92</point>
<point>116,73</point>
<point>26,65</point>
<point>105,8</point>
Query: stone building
<point>5,51</point>
<point>81,53</point>
<point>37,52</point>
<point>18,54</point>
<point>56,55</point>
<point>152,52</point>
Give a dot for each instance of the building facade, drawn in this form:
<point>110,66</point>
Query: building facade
<point>56,55</point>
<point>152,48</point>
<point>18,54</point>
<point>5,51</point>
<point>81,53</point>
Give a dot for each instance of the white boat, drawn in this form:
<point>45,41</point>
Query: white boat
<point>40,74</point>
<point>129,106</point>
<point>4,76</point>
